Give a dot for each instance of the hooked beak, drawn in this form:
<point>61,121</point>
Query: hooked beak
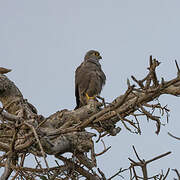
<point>99,57</point>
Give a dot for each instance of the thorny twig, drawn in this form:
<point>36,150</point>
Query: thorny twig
<point>118,173</point>
<point>143,164</point>
<point>105,149</point>
<point>173,136</point>
<point>40,145</point>
<point>177,173</point>
<point>21,165</point>
<point>77,168</point>
<point>134,99</point>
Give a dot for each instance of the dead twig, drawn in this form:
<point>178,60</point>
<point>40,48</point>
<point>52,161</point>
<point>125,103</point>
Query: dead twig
<point>143,164</point>
<point>173,136</point>
<point>155,118</point>
<point>40,145</point>
<point>118,173</point>
<point>7,171</point>
<point>77,168</point>
<point>105,149</point>
<point>178,70</point>
<point>177,173</point>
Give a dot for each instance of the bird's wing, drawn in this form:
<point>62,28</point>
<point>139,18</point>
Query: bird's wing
<point>81,83</point>
<point>82,77</point>
<point>94,84</point>
<point>77,77</point>
<point>89,79</point>
<point>102,77</point>
<point>77,97</point>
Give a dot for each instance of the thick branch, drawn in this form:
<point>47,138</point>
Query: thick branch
<point>64,131</point>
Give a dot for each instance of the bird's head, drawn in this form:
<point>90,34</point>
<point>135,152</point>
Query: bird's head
<point>92,54</point>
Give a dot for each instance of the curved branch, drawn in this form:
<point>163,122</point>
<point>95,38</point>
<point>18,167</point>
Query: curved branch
<point>64,131</point>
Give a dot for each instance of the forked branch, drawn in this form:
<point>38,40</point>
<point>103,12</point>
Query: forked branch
<point>23,131</point>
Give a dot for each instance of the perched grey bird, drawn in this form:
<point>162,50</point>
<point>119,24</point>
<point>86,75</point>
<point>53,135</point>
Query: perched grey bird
<point>89,78</point>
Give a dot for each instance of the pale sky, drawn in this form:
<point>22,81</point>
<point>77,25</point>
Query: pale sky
<point>43,41</point>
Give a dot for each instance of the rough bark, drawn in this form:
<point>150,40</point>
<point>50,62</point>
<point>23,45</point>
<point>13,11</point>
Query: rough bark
<point>64,131</point>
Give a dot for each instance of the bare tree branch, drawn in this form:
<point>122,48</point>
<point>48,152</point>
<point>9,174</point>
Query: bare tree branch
<point>173,136</point>
<point>143,164</point>
<point>23,131</point>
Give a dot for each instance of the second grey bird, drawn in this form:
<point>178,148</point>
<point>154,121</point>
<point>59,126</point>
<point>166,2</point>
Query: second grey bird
<point>89,78</point>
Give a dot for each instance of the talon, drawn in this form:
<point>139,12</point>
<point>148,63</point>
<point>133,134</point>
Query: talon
<point>88,97</point>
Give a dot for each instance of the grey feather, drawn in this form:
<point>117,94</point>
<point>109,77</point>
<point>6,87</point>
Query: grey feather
<point>89,78</point>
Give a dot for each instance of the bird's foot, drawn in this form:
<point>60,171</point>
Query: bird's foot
<point>88,97</point>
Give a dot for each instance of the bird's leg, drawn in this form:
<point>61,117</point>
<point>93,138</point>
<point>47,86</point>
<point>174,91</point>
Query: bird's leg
<point>88,97</point>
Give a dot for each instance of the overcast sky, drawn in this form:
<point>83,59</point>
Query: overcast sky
<point>43,41</point>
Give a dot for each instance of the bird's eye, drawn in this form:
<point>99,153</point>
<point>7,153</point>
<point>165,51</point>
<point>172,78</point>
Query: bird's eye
<point>96,54</point>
